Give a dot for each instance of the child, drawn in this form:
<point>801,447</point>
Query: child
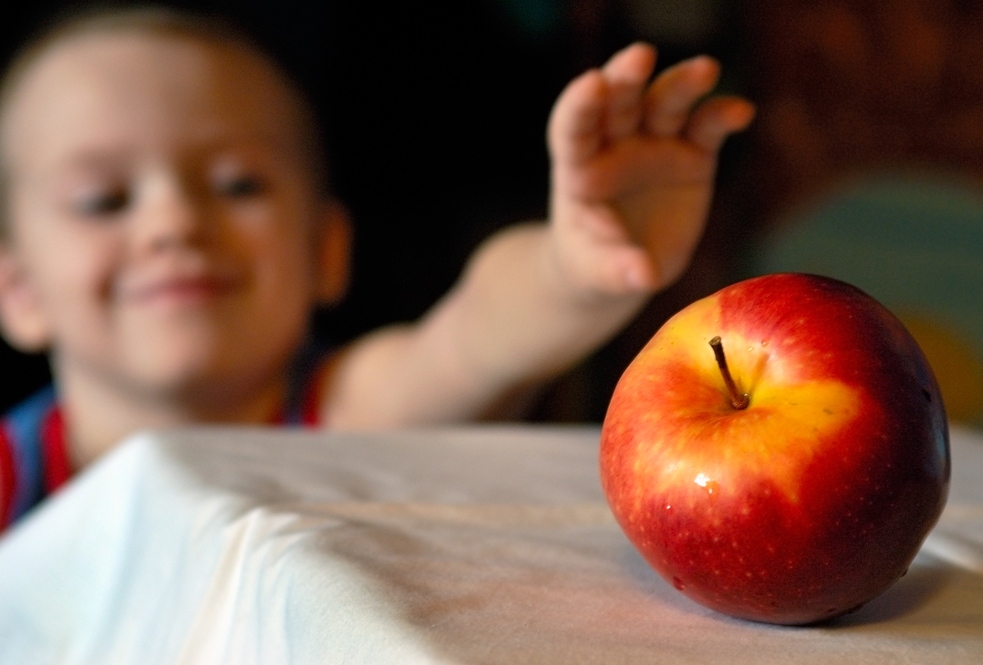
<point>165,238</point>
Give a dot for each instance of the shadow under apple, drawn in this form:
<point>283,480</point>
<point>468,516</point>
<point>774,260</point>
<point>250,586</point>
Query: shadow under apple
<point>913,591</point>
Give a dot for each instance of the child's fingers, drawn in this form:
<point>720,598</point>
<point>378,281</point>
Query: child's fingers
<point>673,94</point>
<point>575,126</point>
<point>627,73</point>
<point>714,120</point>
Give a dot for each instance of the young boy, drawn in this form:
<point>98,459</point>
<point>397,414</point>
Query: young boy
<point>165,238</point>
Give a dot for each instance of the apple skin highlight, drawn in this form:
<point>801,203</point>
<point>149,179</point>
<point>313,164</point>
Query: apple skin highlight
<point>816,497</point>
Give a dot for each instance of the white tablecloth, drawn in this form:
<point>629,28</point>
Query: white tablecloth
<point>483,545</point>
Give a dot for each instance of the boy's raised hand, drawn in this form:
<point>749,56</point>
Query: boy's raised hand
<point>633,166</point>
<point>633,171</point>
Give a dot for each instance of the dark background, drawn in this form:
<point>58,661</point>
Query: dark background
<point>435,115</point>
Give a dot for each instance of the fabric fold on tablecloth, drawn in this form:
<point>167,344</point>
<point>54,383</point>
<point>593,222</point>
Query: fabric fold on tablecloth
<point>140,561</point>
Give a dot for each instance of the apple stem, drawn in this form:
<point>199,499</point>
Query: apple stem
<point>738,399</point>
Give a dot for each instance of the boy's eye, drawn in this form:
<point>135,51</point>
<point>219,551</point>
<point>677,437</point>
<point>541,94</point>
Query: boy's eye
<point>241,186</point>
<point>103,203</point>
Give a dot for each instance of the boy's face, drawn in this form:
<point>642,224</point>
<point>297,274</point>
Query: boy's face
<point>161,213</point>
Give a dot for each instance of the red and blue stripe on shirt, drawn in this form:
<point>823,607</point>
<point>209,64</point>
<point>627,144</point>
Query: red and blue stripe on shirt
<point>33,456</point>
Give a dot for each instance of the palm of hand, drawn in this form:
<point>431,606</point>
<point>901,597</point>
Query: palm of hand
<point>633,169</point>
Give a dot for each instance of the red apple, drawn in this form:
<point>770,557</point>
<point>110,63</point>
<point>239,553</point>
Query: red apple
<point>809,499</point>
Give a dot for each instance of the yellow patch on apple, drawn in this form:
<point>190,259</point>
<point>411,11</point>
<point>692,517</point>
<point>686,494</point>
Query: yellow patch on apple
<point>787,414</point>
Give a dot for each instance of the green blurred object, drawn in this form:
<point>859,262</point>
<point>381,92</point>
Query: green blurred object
<point>914,242</point>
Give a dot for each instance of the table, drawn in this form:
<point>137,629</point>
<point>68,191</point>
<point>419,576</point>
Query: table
<point>472,545</point>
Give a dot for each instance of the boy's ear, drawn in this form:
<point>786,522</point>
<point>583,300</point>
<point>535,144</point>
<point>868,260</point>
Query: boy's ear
<point>22,319</point>
<point>333,253</point>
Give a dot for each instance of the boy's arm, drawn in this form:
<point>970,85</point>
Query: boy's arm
<point>633,169</point>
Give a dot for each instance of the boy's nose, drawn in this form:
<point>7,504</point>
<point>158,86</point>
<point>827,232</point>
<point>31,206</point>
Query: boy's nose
<point>173,216</point>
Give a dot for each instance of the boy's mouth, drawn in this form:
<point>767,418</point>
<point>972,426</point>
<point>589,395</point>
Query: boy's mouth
<point>180,290</point>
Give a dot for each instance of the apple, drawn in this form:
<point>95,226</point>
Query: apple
<point>779,450</point>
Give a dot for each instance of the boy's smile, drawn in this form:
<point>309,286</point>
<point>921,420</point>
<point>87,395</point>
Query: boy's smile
<point>162,215</point>
<point>183,288</point>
